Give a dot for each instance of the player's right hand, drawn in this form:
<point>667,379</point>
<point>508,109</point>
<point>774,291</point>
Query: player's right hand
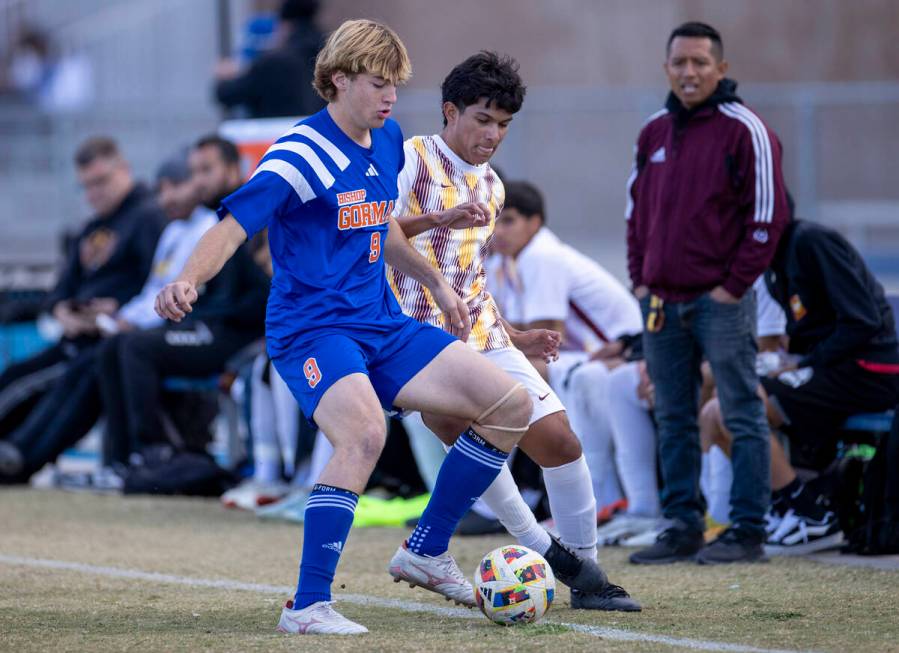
<point>456,317</point>
<point>174,301</point>
<point>465,216</point>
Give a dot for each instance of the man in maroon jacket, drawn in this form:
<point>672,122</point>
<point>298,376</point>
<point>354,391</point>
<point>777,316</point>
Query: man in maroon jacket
<point>706,206</point>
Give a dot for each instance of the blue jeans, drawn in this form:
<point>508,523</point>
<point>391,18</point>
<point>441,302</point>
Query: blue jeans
<point>724,334</point>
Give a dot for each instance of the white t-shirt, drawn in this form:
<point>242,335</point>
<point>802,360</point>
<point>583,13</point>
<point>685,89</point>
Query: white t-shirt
<point>771,320</point>
<point>175,245</point>
<point>550,280</point>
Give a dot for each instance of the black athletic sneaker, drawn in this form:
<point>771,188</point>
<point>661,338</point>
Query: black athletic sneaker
<point>733,545</point>
<point>672,545</point>
<point>577,573</point>
<point>611,598</point>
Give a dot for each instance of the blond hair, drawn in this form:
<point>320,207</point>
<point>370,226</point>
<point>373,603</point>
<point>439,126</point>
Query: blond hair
<point>361,46</point>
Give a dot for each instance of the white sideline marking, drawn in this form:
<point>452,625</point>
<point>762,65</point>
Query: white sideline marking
<point>362,599</point>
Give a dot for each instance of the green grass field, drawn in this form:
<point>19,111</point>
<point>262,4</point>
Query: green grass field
<point>109,601</point>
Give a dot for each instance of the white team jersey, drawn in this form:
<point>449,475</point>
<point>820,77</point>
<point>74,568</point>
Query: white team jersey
<point>771,319</point>
<point>551,281</point>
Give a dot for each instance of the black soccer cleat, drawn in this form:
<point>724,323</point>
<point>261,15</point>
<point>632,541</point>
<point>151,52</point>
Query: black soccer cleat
<point>613,598</point>
<point>576,573</point>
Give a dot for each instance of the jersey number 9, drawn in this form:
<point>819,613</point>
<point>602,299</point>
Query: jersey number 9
<point>374,250</point>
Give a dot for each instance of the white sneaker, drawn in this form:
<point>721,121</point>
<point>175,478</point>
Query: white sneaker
<point>251,494</point>
<point>799,535</point>
<point>646,538</point>
<point>290,508</point>
<point>773,520</point>
<point>317,619</point>
<point>622,527</point>
<point>439,574</point>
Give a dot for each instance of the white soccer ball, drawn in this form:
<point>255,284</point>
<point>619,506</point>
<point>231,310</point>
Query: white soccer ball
<point>514,585</point>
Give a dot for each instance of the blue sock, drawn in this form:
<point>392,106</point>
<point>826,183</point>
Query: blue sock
<point>328,518</point>
<point>468,469</point>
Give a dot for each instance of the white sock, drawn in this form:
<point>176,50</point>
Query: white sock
<point>321,454</point>
<point>427,449</point>
<point>266,456</point>
<point>634,436</point>
<point>504,500</point>
<point>573,505</point>
<point>287,420</point>
<point>587,411</point>
<point>705,478</point>
<point>721,478</point>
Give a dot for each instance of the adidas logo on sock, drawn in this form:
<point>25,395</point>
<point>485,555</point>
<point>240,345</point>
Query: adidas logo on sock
<point>334,546</point>
<point>371,172</point>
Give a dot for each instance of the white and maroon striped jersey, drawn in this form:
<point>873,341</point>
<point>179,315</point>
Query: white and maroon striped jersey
<point>551,281</point>
<point>435,179</point>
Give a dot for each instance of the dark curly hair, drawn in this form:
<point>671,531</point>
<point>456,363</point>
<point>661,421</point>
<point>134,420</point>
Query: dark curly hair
<point>484,75</point>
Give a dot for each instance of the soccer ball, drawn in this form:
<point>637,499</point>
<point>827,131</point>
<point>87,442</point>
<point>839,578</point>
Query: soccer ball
<point>514,585</point>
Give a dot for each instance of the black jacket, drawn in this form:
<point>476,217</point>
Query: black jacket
<point>278,83</point>
<point>112,255</point>
<point>836,309</point>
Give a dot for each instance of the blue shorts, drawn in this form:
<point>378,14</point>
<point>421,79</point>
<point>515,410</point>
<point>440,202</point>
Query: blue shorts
<point>390,360</point>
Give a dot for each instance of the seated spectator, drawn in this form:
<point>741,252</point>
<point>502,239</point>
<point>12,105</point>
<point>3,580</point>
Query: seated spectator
<point>262,88</point>
<point>542,283</point>
<point>844,360</point>
<point>106,266</point>
<point>228,316</point>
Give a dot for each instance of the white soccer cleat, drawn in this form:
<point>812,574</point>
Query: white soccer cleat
<point>317,619</point>
<point>439,574</point>
<point>251,494</point>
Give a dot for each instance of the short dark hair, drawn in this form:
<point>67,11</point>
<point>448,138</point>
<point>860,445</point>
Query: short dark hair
<point>226,148</point>
<point>524,198</point>
<point>697,30</point>
<point>95,147</point>
<point>484,75</point>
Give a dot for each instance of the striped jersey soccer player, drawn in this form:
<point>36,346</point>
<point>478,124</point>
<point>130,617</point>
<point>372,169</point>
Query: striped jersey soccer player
<point>335,331</point>
<point>448,200</point>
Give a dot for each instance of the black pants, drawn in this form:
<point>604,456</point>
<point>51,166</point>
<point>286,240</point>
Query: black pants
<point>62,416</point>
<point>817,401</point>
<point>23,384</point>
<point>133,366</point>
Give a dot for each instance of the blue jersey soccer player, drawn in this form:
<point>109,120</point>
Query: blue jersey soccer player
<point>335,331</point>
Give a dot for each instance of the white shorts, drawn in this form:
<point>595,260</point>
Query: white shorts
<point>515,364</point>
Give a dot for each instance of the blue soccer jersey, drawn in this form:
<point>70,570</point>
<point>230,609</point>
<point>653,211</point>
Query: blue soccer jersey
<point>327,201</point>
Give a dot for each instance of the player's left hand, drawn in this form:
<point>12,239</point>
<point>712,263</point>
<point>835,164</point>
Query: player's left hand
<point>465,216</point>
<point>609,351</point>
<point>538,343</point>
<point>456,318</point>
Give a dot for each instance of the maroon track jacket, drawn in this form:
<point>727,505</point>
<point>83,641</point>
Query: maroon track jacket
<point>706,198</point>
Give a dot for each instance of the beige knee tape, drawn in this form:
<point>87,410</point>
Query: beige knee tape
<point>499,402</point>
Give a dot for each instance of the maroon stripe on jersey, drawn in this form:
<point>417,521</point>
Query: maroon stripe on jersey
<point>577,310</point>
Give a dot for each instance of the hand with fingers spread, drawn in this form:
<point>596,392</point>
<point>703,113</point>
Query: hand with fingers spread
<point>465,216</point>
<point>175,300</point>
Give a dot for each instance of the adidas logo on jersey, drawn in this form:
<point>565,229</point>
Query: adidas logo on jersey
<point>337,547</point>
<point>371,172</point>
